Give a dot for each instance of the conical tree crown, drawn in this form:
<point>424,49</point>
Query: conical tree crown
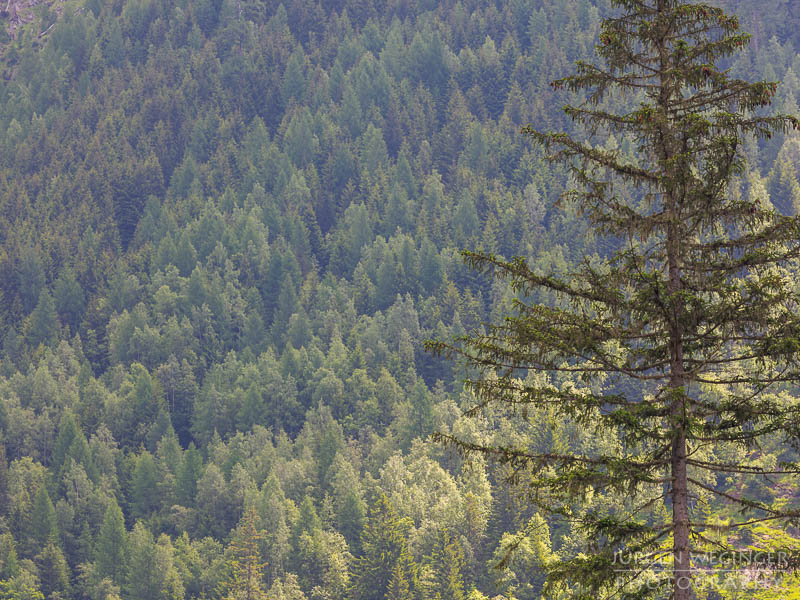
<point>385,565</point>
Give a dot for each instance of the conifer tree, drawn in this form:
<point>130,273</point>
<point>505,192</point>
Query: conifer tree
<point>111,547</point>
<point>143,485</point>
<point>189,473</point>
<point>694,312</point>
<point>307,523</point>
<point>385,567</point>
<point>151,570</point>
<point>43,327</point>
<point>245,580</point>
<point>68,430</point>
<point>69,298</point>
<point>398,588</point>
<point>20,588</point>
<point>3,481</point>
<point>142,579</point>
<point>43,519</point>
<point>9,565</point>
<point>53,572</point>
<point>252,411</point>
<point>447,561</point>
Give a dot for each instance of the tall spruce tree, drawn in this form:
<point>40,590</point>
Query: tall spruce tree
<point>694,313</point>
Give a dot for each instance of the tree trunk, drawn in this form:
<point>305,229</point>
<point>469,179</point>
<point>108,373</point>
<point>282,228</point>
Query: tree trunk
<point>682,584</point>
<point>669,149</point>
<point>682,576</point>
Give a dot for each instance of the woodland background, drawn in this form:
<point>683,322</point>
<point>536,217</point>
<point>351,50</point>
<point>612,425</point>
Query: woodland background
<point>226,228</point>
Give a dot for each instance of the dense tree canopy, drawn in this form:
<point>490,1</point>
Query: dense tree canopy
<point>227,228</point>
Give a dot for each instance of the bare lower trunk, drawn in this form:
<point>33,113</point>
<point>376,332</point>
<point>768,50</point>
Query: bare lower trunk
<point>682,585</point>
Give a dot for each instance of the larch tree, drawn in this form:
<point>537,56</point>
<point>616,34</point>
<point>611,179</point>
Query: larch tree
<point>53,571</point>
<point>694,313</point>
<point>246,569</point>
<point>111,546</point>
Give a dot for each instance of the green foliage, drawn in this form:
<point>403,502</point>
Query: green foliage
<point>385,565</point>
<point>69,299</point>
<point>447,562</point>
<point>189,473</point>
<point>43,519</point>
<point>4,498</point>
<point>236,220</point>
<point>68,431</point>
<point>31,274</point>
<point>348,501</point>
<point>53,572</point>
<point>19,589</point>
<point>111,546</point>
<point>245,565</point>
<point>43,326</point>
<point>213,502</point>
<point>9,566</point>
<point>520,560</point>
<point>657,313</point>
<point>143,486</point>
<point>307,523</point>
<point>399,586</point>
<point>151,571</point>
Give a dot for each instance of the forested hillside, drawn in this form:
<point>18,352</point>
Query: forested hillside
<point>226,229</point>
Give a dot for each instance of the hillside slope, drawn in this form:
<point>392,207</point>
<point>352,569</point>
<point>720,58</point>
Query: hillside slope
<point>226,227</point>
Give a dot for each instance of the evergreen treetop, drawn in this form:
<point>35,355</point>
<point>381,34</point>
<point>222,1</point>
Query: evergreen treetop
<point>245,579</point>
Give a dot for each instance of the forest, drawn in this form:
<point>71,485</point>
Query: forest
<point>227,228</point>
